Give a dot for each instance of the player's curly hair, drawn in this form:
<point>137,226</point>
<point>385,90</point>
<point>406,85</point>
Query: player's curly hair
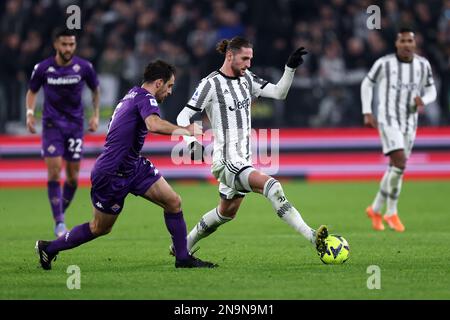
<point>235,44</point>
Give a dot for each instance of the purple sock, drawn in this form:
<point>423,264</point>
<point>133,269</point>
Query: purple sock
<point>54,196</point>
<point>73,238</point>
<point>177,228</point>
<point>68,193</point>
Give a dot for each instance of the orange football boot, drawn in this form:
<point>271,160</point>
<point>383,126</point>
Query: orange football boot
<point>394,222</point>
<point>377,219</point>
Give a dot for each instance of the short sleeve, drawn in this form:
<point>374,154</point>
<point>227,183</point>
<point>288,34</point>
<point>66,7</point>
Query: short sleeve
<point>375,72</point>
<point>201,96</point>
<point>37,78</point>
<point>148,106</point>
<point>256,83</point>
<point>91,77</point>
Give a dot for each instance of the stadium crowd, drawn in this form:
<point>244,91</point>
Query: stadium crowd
<point>120,37</point>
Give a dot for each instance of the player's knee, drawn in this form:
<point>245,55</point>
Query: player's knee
<point>54,173</point>
<point>399,163</point>
<point>173,204</point>
<point>72,178</point>
<point>229,211</point>
<point>99,230</point>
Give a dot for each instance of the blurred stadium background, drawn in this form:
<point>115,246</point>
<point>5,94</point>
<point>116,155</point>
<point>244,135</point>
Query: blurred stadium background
<point>322,135</point>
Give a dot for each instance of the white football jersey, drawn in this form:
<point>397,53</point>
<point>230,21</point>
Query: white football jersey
<point>227,101</point>
<point>398,83</point>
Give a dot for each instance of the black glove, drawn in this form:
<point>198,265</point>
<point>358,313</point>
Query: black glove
<point>295,59</point>
<point>196,149</point>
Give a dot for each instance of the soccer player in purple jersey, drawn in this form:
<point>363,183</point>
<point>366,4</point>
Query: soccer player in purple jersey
<point>62,76</point>
<point>120,170</point>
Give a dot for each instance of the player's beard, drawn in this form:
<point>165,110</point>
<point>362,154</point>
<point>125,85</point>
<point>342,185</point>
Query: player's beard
<point>63,56</point>
<point>237,72</point>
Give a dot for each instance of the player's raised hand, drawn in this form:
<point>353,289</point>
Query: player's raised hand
<point>31,120</point>
<point>93,123</point>
<point>419,104</point>
<point>369,120</point>
<point>296,59</point>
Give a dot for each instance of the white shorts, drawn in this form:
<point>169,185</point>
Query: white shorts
<point>226,171</point>
<point>393,139</point>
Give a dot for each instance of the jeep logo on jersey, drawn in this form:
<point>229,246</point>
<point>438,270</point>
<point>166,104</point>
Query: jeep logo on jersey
<point>64,80</point>
<point>240,105</point>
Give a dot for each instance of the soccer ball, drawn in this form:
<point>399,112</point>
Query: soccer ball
<point>337,252</point>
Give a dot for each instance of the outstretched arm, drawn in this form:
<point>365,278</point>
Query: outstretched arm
<point>280,90</point>
<point>157,125</point>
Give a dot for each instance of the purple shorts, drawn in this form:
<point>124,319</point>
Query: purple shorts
<point>109,191</point>
<point>65,141</point>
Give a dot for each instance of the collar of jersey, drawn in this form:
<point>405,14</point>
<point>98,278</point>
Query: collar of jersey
<point>228,77</point>
<point>398,58</point>
<point>55,64</point>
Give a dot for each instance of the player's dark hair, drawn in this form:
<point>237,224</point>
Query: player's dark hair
<point>406,29</point>
<point>158,70</point>
<point>235,44</point>
<point>62,32</point>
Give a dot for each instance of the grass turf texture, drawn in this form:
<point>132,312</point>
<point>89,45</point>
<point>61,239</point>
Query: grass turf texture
<point>260,256</point>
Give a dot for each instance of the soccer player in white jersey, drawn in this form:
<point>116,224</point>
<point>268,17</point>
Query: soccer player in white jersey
<point>226,96</point>
<point>405,85</point>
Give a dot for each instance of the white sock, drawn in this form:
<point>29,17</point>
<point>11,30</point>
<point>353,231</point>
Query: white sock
<point>380,198</point>
<point>207,225</point>
<point>274,192</point>
<point>394,187</point>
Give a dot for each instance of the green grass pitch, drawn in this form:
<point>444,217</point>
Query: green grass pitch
<point>260,257</point>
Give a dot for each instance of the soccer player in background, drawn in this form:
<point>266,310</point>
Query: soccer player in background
<point>62,76</point>
<point>226,96</point>
<point>405,85</point>
<point>120,170</point>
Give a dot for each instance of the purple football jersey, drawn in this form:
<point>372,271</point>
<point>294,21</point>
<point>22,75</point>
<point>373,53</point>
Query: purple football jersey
<point>63,86</point>
<point>126,133</point>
